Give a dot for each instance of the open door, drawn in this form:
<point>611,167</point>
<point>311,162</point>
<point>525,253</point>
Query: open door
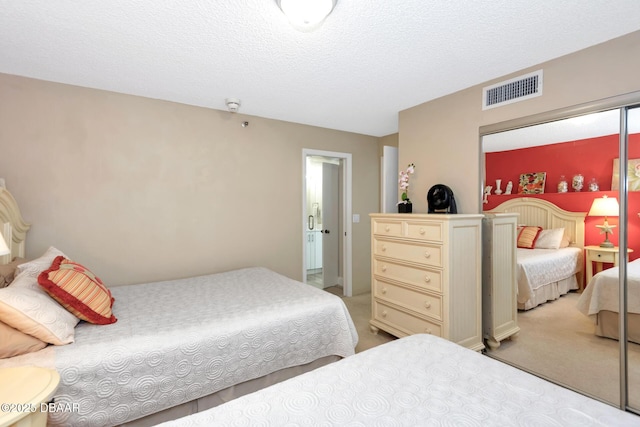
<point>331,224</point>
<point>331,251</point>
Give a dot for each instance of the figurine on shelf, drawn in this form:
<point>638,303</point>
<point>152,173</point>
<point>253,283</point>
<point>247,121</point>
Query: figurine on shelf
<point>593,185</point>
<point>509,187</point>
<point>487,192</point>
<point>498,189</point>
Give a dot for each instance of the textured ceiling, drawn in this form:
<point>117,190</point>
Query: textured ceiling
<point>368,61</point>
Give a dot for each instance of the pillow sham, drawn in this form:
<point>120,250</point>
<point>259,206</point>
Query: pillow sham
<point>78,290</point>
<point>14,343</point>
<point>550,239</point>
<point>8,271</point>
<point>527,237</point>
<point>29,309</point>
<point>34,267</point>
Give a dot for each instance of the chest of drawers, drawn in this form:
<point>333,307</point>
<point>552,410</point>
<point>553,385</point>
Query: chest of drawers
<point>427,276</point>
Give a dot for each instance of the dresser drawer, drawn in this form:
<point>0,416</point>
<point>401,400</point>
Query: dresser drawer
<point>403,321</point>
<point>409,251</point>
<point>430,305</point>
<point>422,277</point>
<point>387,227</point>
<point>424,231</point>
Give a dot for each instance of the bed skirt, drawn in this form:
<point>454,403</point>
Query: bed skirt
<point>607,326</point>
<point>550,292</point>
<point>228,394</point>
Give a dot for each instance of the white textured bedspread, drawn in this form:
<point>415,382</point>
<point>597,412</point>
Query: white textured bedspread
<point>420,380</point>
<point>601,292</point>
<point>179,340</point>
<point>539,267</point>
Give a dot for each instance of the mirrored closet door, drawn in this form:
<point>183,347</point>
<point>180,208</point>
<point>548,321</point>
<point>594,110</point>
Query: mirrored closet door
<point>567,326</point>
<point>632,283</point>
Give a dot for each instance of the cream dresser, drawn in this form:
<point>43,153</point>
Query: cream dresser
<point>426,276</point>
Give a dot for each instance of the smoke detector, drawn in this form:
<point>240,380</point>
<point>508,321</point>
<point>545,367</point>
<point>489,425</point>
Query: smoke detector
<point>232,104</point>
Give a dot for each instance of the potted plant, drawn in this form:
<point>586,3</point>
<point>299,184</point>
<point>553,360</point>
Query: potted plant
<point>405,205</point>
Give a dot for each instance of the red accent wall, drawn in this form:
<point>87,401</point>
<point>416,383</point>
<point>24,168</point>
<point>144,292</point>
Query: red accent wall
<point>593,158</point>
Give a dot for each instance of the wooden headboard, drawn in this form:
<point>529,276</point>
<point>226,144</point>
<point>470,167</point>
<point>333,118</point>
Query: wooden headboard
<point>12,227</point>
<point>538,212</point>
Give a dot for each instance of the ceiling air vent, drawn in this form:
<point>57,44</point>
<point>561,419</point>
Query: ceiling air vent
<point>513,90</point>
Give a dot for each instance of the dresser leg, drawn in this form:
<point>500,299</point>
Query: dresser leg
<point>374,330</point>
<point>493,343</point>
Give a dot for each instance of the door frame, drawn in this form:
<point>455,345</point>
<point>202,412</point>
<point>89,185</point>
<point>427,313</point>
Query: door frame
<point>345,214</point>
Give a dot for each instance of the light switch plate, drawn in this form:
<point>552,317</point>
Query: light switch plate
<point>356,218</point>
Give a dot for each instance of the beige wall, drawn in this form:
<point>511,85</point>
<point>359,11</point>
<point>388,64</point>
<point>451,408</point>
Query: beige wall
<point>142,190</point>
<point>389,141</point>
<point>442,136</point>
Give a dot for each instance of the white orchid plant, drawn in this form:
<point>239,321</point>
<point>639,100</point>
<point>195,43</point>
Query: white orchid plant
<point>404,183</point>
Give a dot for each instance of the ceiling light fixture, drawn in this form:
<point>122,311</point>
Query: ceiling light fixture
<point>232,104</point>
<point>306,15</point>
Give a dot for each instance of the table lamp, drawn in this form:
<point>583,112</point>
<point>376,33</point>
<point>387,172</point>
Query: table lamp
<point>4,249</point>
<point>605,206</point>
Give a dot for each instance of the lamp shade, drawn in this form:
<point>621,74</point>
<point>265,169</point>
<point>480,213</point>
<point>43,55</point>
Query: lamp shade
<point>604,206</point>
<point>306,15</point>
<point>4,249</point>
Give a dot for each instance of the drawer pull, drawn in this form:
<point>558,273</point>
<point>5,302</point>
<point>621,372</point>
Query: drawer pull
<point>384,248</point>
<point>384,290</point>
<point>427,255</point>
<point>427,304</point>
<point>427,279</point>
<point>428,331</point>
<point>422,231</point>
<point>384,313</point>
<point>384,268</point>
<point>387,228</point>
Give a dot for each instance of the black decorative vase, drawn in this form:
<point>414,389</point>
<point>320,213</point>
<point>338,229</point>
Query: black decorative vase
<point>405,208</point>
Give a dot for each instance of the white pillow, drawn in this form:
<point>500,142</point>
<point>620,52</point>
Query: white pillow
<point>38,265</point>
<point>25,306</point>
<point>29,309</point>
<point>550,239</point>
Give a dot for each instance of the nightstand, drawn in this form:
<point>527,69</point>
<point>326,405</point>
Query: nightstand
<point>599,255</point>
<point>22,390</point>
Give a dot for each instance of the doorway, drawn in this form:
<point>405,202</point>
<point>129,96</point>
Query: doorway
<point>326,228</point>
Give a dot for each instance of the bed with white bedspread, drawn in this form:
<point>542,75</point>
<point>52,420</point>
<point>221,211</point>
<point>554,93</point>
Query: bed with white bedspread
<point>419,380</point>
<point>177,346</point>
<point>178,341</point>
<point>600,301</point>
<point>546,274</point>
<point>537,268</point>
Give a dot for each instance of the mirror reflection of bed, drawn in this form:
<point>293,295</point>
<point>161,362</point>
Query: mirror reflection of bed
<point>556,340</point>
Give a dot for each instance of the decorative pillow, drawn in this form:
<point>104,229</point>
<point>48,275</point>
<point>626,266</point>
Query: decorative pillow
<point>78,290</point>
<point>527,237</point>
<point>14,343</point>
<point>8,271</point>
<point>566,240</point>
<point>550,239</point>
<point>28,308</point>
<point>35,267</point>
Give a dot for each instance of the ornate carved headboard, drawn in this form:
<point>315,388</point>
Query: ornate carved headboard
<point>539,212</point>
<point>12,226</point>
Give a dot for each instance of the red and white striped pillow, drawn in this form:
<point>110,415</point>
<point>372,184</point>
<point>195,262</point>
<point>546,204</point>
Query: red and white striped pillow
<point>78,290</point>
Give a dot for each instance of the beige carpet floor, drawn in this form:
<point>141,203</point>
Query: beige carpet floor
<point>359,307</point>
<point>555,342</point>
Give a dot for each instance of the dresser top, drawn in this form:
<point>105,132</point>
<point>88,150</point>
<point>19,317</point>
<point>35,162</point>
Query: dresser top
<point>409,216</point>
